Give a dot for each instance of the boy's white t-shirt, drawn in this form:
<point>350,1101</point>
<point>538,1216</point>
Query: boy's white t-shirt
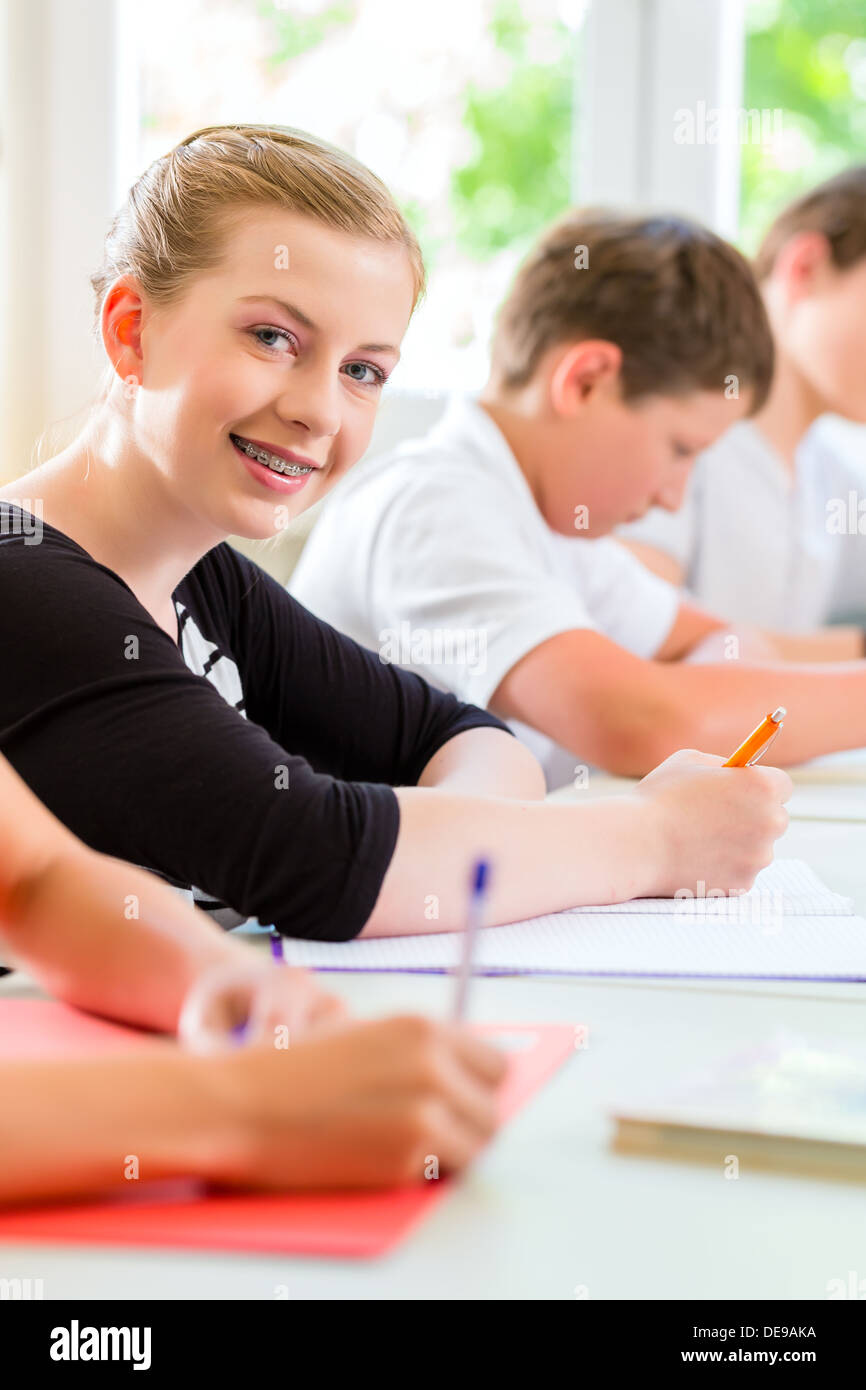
<point>436,556</point>
<point>759,547</point>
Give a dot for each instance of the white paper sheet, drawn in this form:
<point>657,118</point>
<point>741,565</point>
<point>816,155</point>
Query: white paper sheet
<point>790,926</point>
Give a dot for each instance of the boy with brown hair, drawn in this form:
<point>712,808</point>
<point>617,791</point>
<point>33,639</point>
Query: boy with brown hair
<point>794,558</point>
<point>476,555</point>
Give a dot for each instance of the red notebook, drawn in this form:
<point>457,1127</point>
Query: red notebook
<point>185,1214</point>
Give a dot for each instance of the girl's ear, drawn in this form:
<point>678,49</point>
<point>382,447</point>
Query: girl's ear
<point>121,328</point>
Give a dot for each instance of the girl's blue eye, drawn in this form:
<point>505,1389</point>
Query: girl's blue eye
<point>379,377</point>
<point>280,332</point>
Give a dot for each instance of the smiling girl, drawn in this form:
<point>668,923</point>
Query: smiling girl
<point>173,706</point>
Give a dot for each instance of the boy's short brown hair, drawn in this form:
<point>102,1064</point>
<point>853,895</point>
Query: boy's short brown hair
<point>836,209</point>
<point>682,304</point>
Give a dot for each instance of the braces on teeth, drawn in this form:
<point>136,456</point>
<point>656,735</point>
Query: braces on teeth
<point>276,465</point>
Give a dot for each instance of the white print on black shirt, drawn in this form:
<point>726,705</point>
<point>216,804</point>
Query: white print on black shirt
<point>204,658</point>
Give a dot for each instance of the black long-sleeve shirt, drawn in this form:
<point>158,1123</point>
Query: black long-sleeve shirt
<point>251,765</point>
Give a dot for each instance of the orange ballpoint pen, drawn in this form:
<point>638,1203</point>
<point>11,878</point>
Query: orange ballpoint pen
<point>758,741</point>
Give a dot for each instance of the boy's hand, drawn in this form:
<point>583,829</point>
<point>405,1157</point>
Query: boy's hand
<point>713,823</point>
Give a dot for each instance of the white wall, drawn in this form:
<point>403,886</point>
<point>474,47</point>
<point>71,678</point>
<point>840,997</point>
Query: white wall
<point>59,144</point>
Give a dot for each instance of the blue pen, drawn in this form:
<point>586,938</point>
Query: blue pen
<point>477,894</point>
<point>239,1031</point>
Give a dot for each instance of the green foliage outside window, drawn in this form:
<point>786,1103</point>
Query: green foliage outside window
<point>808,58</point>
<point>519,178</point>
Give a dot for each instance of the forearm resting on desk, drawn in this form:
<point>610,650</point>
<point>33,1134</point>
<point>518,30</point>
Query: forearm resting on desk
<point>359,1106</point>
<point>110,938</point>
<point>617,711</point>
<point>68,1127</point>
<point>689,819</point>
<point>720,704</point>
<point>752,644</point>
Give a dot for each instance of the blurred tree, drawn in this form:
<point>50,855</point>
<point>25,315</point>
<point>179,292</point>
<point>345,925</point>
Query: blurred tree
<point>295,34</point>
<point>807,58</point>
<point>518,178</point>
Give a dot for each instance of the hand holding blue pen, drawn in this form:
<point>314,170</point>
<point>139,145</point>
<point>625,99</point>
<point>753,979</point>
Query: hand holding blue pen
<point>259,1003</point>
<point>474,919</point>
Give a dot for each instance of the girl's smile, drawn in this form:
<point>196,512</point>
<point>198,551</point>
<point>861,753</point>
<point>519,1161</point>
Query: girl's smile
<point>282,472</point>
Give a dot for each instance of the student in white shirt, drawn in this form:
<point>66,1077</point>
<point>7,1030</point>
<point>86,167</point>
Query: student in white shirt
<point>772,529</point>
<point>472,555</point>
<point>418,590</point>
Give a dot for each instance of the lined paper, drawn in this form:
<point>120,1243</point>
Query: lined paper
<point>789,885</point>
<point>789,926</point>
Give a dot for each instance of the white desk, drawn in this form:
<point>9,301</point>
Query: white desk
<point>549,1208</point>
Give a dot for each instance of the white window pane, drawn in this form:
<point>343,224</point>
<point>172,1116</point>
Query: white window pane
<point>465,110</point>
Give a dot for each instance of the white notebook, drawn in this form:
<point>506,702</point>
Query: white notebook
<point>789,926</point>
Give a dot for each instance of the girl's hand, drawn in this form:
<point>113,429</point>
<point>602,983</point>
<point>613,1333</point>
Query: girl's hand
<point>262,1002</point>
<point>368,1104</point>
<point>712,822</point>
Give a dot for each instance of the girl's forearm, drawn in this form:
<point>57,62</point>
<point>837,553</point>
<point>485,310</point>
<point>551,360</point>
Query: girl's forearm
<point>96,932</point>
<point>110,938</point>
<point>77,1127</point>
<point>545,856</point>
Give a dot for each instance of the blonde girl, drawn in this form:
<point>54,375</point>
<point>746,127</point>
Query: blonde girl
<point>172,705</point>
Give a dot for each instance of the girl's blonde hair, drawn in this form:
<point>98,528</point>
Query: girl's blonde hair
<point>175,220</point>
